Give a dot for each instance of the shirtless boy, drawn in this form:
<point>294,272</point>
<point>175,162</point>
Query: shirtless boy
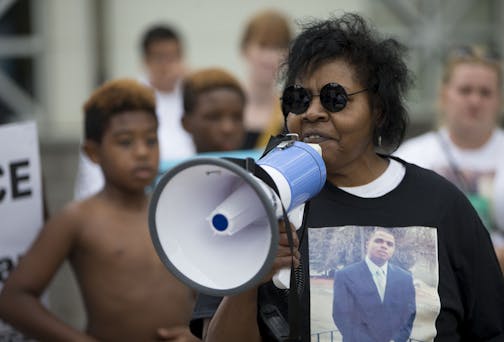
<point>128,293</point>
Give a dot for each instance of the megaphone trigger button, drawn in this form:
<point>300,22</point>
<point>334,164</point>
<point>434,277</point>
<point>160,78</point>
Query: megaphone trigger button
<point>285,144</point>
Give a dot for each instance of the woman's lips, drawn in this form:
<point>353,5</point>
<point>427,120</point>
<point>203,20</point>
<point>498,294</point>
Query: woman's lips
<point>314,138</point>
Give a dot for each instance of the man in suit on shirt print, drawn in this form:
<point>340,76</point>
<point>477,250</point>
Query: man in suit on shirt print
<point>373,299</point>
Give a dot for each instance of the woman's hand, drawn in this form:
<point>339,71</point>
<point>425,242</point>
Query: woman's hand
<point>283,258</point>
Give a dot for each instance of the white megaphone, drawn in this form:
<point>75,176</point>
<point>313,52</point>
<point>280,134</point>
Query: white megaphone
<point>214,224</point>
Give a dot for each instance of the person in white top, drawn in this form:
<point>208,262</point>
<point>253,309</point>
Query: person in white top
<point>467,148</point>
<point>162,52</point>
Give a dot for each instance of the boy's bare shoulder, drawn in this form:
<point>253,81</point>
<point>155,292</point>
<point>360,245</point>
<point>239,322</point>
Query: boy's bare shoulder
<point>76,209</point>
<point>78,213</point>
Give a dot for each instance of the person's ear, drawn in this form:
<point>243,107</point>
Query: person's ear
<point>441,97</point>
<point>184,69</point>
<point>379,117</point>
<point>91,149</point>
<point>187,123</point>
<point>145,60</point>
<point>245,50</point>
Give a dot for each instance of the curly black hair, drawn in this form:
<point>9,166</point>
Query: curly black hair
<point>378,63</point>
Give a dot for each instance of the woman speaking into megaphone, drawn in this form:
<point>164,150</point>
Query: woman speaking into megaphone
<point>344,90</point>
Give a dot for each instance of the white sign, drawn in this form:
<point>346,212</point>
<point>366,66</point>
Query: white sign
<point>21,211</point>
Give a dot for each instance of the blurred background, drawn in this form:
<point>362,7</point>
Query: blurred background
<point>53,53</point>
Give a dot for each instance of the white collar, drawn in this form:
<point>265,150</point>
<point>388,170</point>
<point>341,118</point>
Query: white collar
<point>382,185</point>
<point>374,267</point>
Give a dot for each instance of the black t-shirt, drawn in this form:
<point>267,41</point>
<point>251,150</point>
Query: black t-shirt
<point>468,285</point>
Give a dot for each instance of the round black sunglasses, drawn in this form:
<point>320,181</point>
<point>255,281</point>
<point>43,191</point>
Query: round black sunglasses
<point>333,97</point>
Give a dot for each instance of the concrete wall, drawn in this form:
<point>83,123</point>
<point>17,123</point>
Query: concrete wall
<point>212,29</point>
<point>65,67</point>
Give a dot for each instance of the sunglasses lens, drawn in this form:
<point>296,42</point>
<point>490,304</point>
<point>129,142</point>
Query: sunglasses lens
<point>295,99</point>
<point>333,97</point>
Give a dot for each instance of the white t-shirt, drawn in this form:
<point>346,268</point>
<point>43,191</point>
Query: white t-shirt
<point>174,143</point>
<point>382,185</point>
<point>477,172</point>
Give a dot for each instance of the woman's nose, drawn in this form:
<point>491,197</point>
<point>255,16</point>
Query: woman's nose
<point>315,111</point>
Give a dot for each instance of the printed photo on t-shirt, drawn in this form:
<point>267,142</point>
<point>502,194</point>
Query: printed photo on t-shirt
<point>373,284</point>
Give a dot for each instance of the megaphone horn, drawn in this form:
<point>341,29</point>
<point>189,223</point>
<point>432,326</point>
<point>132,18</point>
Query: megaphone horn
<point>214,224</point>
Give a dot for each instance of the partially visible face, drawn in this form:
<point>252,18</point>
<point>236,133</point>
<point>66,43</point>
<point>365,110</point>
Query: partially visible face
<point>216,124</point>
<point>263,62</point>
<point>129,152</point>
<point>471,99</point>
<point>380,247</point>
<point>164,64</point>
<point>346,137</point>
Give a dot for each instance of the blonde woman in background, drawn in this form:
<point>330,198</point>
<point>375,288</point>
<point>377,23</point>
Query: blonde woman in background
<point>264,44</point>
<point>467,148</point>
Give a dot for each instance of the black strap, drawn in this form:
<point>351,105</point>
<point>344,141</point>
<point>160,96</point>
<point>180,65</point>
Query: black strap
<point>294,305</point>
<point>250,165</point>
<point>273,309</point>
<point>461,181</point>
<point>273,142</point>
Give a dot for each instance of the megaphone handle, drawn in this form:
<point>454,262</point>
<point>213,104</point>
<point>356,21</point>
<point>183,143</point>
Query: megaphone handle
<point>281,279</point>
